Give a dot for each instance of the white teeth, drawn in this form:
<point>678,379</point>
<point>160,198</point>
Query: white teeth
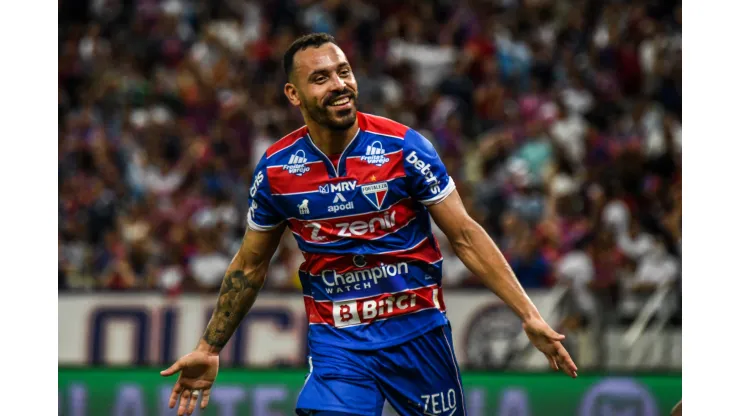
<point>342,101</point>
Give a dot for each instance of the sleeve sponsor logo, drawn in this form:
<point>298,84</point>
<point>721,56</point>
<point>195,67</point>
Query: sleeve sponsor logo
<point>426,170</point>
<point>257,182</point>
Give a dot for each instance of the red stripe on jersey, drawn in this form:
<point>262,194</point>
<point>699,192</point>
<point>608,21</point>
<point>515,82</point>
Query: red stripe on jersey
<point>366,310</point>
<point>286,141</point>
<point>366,226</point>
<point>283,182</point>
<point>426,251</point>
<point>375,124</point>
<point>367,173</point>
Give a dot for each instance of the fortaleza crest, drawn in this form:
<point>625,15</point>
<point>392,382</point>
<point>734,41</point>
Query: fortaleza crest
<point>375,193</point>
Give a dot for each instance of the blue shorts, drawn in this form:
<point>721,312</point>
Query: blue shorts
<point>418,377</point>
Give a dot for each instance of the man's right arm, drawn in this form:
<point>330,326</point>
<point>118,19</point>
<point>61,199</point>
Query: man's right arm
<point>244,278</point>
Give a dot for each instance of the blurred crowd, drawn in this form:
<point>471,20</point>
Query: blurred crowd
<point>560,121</point>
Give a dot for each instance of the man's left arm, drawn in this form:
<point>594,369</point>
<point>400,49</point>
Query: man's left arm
<point>480,254</point>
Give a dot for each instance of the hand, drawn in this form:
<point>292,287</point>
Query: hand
<point>199,370</point>
<point>548,341</point>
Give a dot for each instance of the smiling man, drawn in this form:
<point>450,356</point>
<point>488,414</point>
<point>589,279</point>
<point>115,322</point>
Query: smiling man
<point>357,191</point>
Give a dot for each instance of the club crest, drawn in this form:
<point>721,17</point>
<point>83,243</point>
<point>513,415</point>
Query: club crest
<point>375,193</point>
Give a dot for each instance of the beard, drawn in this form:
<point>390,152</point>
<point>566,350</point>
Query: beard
<point>326,116</point>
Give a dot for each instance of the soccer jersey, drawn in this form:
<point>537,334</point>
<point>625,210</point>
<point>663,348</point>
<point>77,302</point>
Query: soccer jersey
<point>373,269</point>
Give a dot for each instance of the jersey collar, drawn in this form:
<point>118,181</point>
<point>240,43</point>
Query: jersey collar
<point>340,170</point>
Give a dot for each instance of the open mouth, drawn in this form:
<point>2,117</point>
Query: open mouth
<point>341,102</point>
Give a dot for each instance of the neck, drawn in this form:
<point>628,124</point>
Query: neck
<point>331,142</point>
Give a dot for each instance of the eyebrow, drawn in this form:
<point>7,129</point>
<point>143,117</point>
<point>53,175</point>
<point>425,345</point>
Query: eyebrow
<point>324,71</point>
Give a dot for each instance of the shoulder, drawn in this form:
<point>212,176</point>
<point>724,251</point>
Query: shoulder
<point>382,126</point>
<point>413,140</point>
<point>287,141</point>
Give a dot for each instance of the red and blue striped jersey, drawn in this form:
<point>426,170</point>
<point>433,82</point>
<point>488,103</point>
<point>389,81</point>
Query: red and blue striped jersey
<point>373,269</point>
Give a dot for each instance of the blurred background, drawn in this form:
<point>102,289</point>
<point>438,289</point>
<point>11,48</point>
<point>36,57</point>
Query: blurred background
<point>560,121</point>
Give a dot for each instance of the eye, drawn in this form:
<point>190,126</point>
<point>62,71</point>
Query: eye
<point>344,72</point>
<point>319,79</point>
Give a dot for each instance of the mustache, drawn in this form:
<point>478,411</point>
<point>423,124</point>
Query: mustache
<point>334,96</point>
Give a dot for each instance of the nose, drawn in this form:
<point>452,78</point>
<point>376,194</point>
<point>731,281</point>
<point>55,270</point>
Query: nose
<point>337,83</point>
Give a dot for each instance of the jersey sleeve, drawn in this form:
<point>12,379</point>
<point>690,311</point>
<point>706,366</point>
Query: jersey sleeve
<point>262,214</point>
<point>429,180</point>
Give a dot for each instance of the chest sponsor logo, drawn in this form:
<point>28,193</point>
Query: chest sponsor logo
<point>340,204</point>
<point>297,164</point>
<point>375,154</point>
<point>363,311</point>
<point>374,227</point>
<point>356,280</point>
<point>349,229</point>
<point>345,186</point>
<point>315,228</point>
<point>375,193</point>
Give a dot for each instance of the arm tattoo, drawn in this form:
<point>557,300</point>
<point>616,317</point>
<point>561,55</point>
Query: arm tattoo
<point>238,293</point>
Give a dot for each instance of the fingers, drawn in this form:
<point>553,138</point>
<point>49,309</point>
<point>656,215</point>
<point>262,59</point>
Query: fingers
<point>567,364</point>
<point>193,402</point>
<point>184,400</point>
<point>175,394</point>
<point>552,335</point>
<point>188,399</point>
<point>553,362</point>
<point>206,397</point>
<point>172,370</point>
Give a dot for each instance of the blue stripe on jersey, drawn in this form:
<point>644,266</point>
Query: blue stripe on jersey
<point>361,205</point>
<point>362,282</point>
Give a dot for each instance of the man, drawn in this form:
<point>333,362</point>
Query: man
<point>356,190</point>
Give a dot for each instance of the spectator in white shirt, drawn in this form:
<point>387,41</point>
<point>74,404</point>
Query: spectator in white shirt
<point>569,132</point>
<point>635,243</point>
<point>656,269</point>
<point>576,268</point>
<point>208,265</point>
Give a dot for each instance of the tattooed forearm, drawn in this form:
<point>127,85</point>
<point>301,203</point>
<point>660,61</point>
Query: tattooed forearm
<point>238,293</point>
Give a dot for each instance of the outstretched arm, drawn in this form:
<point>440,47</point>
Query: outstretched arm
<point>480,254</point>
<point>244,278</point>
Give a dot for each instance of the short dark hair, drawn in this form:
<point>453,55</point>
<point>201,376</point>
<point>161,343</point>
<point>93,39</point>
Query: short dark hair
<point>311,40</point>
